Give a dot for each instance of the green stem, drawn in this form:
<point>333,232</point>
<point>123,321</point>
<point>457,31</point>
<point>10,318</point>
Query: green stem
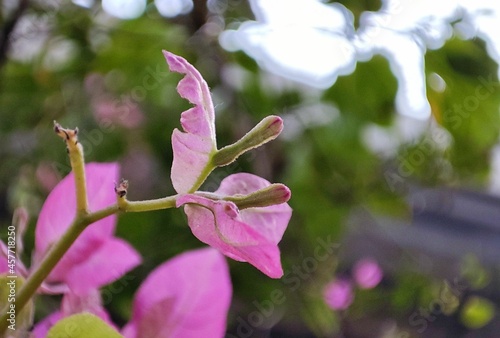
<point>75,229</point>
<point>139,206</point>
<point>75,151</point>
<point>78,166</point>
<point>54,255</point>
<point>266,130</point>
<point>203,175</point>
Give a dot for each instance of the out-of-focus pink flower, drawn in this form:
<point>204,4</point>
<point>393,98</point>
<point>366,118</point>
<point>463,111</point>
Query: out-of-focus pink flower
<point>338,294</point>
<point>367,273</point>
<point>194,147</point>
<point>96,258</point>
<point>122,111</point>
<point>249,235</point>
<point>47,175</point>
<point>186,297</point>
<point>73,303</point>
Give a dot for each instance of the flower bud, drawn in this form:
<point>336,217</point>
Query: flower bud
<point>274,194</point>
<point>266,130</point>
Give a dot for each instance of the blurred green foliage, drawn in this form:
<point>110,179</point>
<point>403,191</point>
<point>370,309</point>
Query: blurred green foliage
<point>328,166</point>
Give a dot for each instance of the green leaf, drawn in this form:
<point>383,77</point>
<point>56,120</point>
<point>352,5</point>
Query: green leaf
<point>82,325</point>
<point>477,312</point>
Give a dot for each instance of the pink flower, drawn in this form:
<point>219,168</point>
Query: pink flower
<point>109,109</point>
<point>193,148</point>
<point>96,258</point>
<point>186,297</point>
<point>249,235</point>
<point>367,273</point>
<point>338,294</point>
<point>47,176</point>
<point>73,303</point>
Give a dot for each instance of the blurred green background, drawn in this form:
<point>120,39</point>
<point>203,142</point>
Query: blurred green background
<point>80,67</point>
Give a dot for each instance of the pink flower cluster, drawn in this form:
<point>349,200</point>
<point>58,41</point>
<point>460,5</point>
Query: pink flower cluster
<point>249,235</point>
<point>189,295</point>
<point>366,274</point>
<point>193,285</point>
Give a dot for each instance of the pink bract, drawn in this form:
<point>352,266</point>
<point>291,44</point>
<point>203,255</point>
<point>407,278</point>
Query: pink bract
<point>250,235</point>
<point>73,303</point>
<point>186,297</point>
<point>96,258</point>
<point>194,147</point>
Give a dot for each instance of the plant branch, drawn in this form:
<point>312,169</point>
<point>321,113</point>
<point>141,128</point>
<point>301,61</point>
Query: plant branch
<point>140,206</point>
<point>125,205</point>
<point>75,151</point>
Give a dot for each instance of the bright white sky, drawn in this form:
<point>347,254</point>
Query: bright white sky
<point>313,43</point>
<point>130,9</point>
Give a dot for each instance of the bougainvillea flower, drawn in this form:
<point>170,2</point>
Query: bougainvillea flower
<point>96,258</point>
<point>194,147</point>
<point>367,273</point>
<point>338,294</point>
<point>185,297</point>
<point>73,303</point>
<point>249,235</point>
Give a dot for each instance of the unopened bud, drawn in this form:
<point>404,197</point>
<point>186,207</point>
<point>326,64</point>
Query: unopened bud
<point>266,130</point>
<point>274,194</point>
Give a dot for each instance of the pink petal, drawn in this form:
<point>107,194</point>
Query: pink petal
<point>19,269</point>
<point>73,303</point>
<point>103,265</point>
<point>58,212</point>
<point>272,221</point>
<point>217,223</point>
<point>159,321</point>
<point>59,208</point>
<point>186,297</point>
<point>42,328</point>
<point>90,301</point>
<point>3,258</point>
<point>192,148</point>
